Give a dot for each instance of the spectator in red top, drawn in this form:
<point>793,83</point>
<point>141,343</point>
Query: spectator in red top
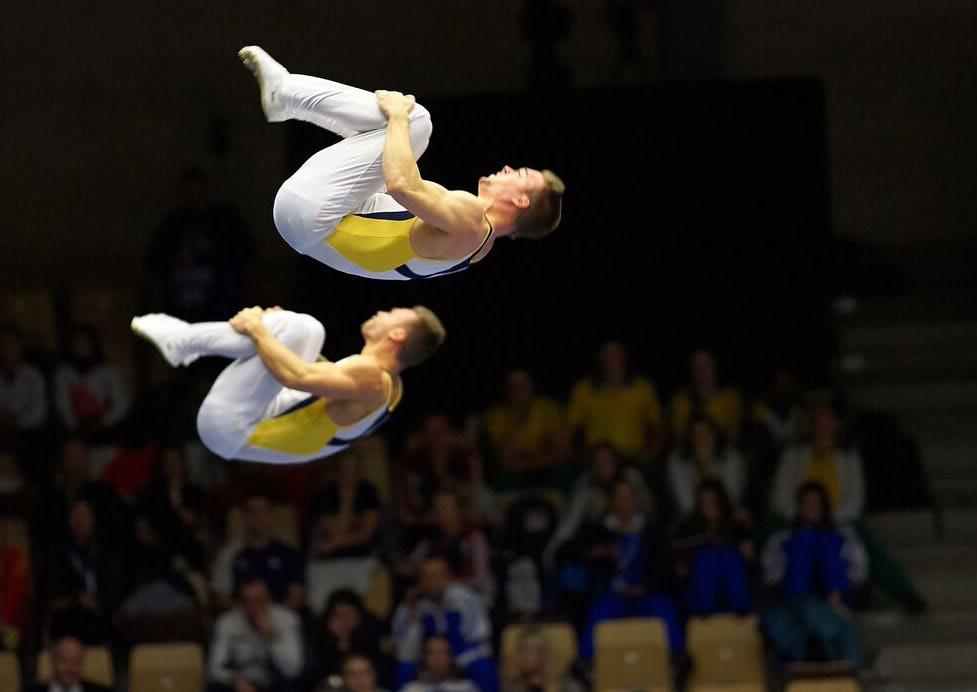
<point>15,581</point>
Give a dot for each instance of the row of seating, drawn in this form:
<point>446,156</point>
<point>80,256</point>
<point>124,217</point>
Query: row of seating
<point>152,668</point>
<point>632,654</point>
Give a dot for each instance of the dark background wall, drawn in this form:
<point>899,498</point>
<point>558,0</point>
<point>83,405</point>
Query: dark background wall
<point>695,215</point>
<point>102,105</point>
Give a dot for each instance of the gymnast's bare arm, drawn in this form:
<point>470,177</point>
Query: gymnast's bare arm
<point>452,212</point>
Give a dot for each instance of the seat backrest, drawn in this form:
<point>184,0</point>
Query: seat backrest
<point>379,599</point>
<point>632,654</point>
<point>824,685</point>
<point>9,671</point>
<point>562,646</point>
<point>725,650</point>
<point>166,668</point>
<point>95,667</point>
<point>284,525</point>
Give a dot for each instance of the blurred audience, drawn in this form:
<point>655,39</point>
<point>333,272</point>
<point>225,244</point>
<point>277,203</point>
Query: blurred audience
<point>89,392</point>
<point>84,580</point>
<point>439,671</point>
<point>346,629</point>
<point>589,501</point>
<point>617,407</point>
<point>704,455</point>
<point>15,589</point>
<point>67,656</point>
<point>535,669</point>
<point>261,556</point>
<point>815,567</point>
<point>345,539</point>
<point>437,606</point>
<point>704,395</point>
<point>198,260</point>
<point>358,675</point>
<point>462,545</point>
<point>714,552</point>
<point>439,456</point>
<point>23,393</point>
<point>526,437</point>
<point>257,645</point>
<point>630,569</point>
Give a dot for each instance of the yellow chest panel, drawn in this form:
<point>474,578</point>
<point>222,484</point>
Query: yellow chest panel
<point>303,431</point>
<point>375,244</point>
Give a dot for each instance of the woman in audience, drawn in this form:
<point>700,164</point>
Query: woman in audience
<point>345,540</point>
<point>704,395</point>
<point>704,456</point>
<point>344,630</point>
<point>438,671</point>
<point>713,552</point>
<point>89,392</point>
<point>535,670</point>
<point>589,500</point>
<point>815,568</point>
<point>630,569</point>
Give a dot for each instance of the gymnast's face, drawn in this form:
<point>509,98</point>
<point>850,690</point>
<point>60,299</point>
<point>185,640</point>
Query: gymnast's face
<point>514,185</point>
<point>393,323</point>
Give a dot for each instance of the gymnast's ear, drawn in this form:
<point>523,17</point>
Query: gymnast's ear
<point>398,335</point>
<point>521,201</point>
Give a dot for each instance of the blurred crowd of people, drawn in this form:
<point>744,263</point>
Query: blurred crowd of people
<point>398,568</point>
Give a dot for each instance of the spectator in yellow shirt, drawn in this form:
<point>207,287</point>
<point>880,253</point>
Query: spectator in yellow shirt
<point>704,396</point>
<point>525,436</point>
<point>617,407</point>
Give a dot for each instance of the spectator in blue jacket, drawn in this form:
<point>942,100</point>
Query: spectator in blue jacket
<point>438,606</point>
<point>630,566</point>
<point>816,567</point>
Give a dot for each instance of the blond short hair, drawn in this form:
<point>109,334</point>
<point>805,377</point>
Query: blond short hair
<point>542,216</point>
<point>424,337</point>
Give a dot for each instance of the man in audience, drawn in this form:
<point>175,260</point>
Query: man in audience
<point>705,396</point>
<point>84,584</point>
<point>345,629</point>
<point>439,607</point>
<point>257,645</point>
<point>526,436</point>
<point>67,655</point>
<point>278,565</point>
<point>617,407</point>
<point>630,570</point>
<point>438,671</point>
<point>345,539</point>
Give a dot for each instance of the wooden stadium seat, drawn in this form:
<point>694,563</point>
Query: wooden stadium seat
<point>9,672</point>
<point>562,646</point>
<point>379,599</point>
<point>284,525</point>
<point>108,309</point>
<point>824,685</point>
<point>96,667</point>
<point>727,654</point>
<point>632,654</point>
<point>166,668</point>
